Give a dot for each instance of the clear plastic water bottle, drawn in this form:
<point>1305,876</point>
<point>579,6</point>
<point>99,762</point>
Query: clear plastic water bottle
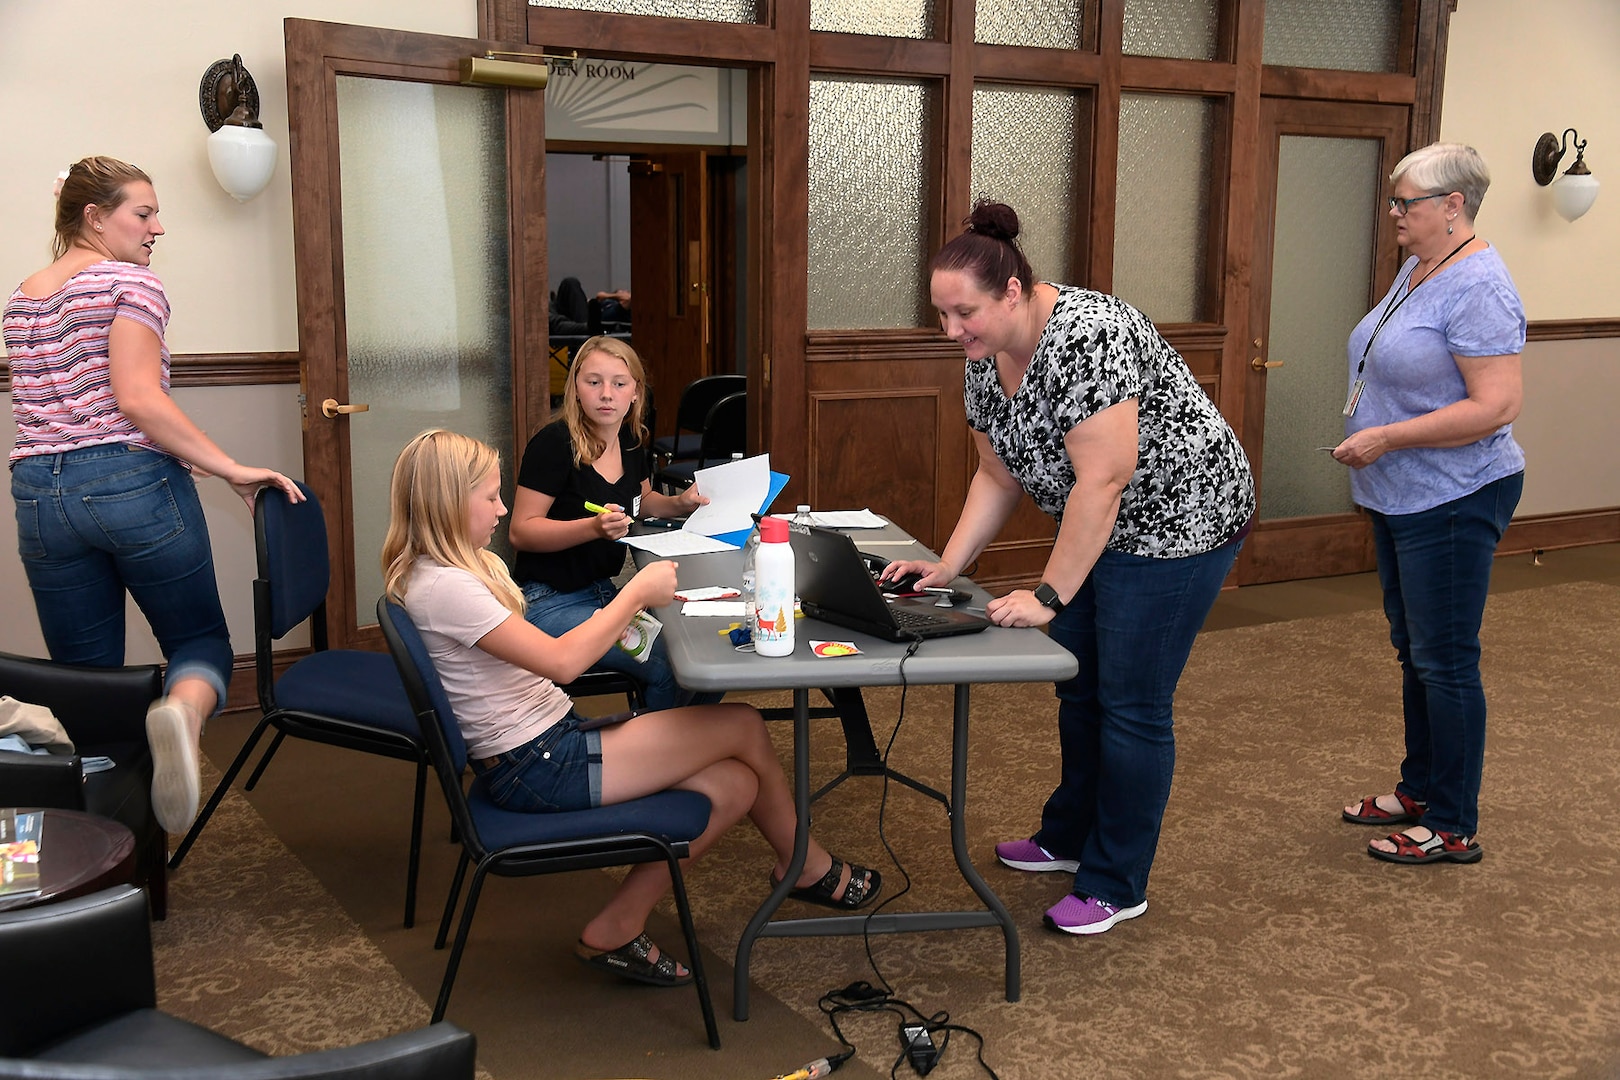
<point>750,564</point>
<point>801,515</point>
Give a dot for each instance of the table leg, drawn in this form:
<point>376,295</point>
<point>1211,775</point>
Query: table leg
<point>801,849</point>
<point>959,842</point>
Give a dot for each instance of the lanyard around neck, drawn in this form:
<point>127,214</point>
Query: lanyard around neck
<point>1392,305</point>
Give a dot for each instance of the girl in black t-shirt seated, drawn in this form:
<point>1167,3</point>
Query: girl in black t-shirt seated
<point>568,554</point>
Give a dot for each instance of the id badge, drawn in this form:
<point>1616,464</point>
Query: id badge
<point>1354,399</point>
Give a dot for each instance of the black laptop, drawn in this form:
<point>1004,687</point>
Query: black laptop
<point>835,586</point>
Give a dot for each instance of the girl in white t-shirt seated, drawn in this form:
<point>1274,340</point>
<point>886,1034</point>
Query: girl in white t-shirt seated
<point>522,733</point>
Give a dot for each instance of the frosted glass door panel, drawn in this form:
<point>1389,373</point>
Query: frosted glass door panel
<point>1031,167</point>
<point>872,146</point>
<point>1327,209</point>
<point>425,281</point>
<point>1163,209</point>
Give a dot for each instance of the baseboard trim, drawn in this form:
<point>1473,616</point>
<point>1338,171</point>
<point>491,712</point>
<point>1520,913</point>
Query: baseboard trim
<point>1547,532</point>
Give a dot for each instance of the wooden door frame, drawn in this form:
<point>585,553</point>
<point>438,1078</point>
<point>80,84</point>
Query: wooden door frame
<point>317,53</point>
<point>778,193</point>
<point>783,54</point>
<point>1341,542</point>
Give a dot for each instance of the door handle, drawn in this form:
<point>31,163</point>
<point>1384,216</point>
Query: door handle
<point>331,409</point>
<point>1261,365</point>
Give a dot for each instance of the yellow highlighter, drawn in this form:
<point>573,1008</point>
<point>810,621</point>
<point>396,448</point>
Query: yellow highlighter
<point>595,509</point>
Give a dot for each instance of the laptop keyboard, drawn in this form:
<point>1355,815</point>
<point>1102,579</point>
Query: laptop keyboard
<point>912,619</point>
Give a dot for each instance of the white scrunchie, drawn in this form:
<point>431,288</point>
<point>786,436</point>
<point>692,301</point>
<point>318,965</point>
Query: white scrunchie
<point>61,178</point>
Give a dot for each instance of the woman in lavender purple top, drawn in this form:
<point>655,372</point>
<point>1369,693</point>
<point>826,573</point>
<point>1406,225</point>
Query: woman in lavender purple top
<point>1434,387</point>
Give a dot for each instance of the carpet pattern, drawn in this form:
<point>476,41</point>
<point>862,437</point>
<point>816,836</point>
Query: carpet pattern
<point>1273,945</point>
<point>255,948</point>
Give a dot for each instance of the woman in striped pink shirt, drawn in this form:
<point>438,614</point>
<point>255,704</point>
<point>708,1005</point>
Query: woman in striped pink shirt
<point>101,472</point>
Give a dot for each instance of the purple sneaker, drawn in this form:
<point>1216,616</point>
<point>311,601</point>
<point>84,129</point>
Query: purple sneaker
<point>1088,915</point>
<point>1028,855</point>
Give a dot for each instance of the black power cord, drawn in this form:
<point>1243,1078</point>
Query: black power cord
<point>917,1032</point>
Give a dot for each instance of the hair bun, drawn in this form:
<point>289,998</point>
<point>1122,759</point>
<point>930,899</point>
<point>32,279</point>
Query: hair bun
<point>993,219</point>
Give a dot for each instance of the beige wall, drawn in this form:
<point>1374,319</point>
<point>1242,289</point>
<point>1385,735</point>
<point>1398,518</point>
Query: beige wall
<point>1516,70</point>
<point>228,266</point>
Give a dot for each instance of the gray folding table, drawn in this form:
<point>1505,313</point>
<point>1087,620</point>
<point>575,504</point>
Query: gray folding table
<point>704,659</point>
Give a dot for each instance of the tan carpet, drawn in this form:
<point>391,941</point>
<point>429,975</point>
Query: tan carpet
<point>255,948</point>
<point>1274,946</point>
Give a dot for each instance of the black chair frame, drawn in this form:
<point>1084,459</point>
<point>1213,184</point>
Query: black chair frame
<point>328,730</point>
<point>523,860</point>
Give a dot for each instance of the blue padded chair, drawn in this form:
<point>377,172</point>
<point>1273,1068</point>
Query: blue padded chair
<point>340,697</point>
<point>510,844</point>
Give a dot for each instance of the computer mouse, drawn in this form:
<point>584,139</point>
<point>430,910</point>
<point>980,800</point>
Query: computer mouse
<point>905,586</point>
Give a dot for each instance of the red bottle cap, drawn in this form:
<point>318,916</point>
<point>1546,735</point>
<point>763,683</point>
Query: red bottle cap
<point>773,530</point>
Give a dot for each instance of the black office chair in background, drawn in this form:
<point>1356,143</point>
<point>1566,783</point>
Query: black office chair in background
<point>692,414</point>
<point>725,432</point>
<point>340,697</point>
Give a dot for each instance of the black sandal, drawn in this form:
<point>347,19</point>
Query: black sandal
<point>630,961</point>
<point>863,885</point>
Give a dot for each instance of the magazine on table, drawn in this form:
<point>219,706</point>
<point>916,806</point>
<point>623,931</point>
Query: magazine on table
<point>19,851</point>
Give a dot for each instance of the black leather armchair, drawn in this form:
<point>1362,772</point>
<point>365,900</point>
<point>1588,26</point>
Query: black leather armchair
<point>104,713</point>
<point>86,1009</point>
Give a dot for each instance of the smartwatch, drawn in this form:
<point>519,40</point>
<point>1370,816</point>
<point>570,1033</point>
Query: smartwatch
<point>1048,598</point>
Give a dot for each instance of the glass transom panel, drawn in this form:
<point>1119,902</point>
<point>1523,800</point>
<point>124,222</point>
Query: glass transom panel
<point>891,18</point>
<point>872,161</point>
<point>1346,35</point>
<point>1178,28</point>
<point>1048,24</point>
<point>1023,155</point>
<point>733,11</point>
<point>1322,265</point>
<point>1162,211</point>
<point>426,274</point>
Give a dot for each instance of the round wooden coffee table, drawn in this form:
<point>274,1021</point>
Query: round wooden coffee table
<point>79,854</point>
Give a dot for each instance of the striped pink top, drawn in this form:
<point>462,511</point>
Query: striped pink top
<point>61,386</point>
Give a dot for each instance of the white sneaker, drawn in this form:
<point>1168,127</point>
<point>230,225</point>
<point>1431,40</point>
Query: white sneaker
<point>176,784</point>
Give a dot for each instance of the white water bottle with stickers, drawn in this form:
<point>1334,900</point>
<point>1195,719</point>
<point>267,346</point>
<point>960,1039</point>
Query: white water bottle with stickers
<point>773,590</point>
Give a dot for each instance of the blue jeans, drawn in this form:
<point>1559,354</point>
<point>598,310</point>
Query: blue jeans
<point>558,612</point>
<point>559,769</point>
<point>1435,567</point>
<point>1131,626</point>
<point>95,522</point>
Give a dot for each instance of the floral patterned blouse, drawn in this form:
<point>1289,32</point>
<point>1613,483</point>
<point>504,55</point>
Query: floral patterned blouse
<point>1192,490</point>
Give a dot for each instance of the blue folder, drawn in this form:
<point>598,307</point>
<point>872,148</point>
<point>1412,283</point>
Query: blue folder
<point>740,537</point>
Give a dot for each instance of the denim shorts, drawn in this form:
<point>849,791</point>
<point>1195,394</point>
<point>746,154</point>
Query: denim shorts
<point>558,769</point>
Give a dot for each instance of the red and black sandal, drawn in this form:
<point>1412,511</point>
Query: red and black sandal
<point>1370,813</point>
<point>1439,847</point>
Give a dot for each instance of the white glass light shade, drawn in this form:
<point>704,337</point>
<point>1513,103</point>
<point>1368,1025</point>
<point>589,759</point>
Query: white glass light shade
<point>243,159</point>
<point>1574,194</point>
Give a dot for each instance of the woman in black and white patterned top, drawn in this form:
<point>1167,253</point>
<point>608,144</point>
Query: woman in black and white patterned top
<point>1075,398</point>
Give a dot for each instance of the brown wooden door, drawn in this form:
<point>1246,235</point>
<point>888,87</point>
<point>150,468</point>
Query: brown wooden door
<point>670,262</point>
<point>1324,251</point>
<point>419,239</point>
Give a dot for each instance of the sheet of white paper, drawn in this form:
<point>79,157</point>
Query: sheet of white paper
<point>842,519</point>
<point>728,609</point>
<point>735,491</point>
<point>667,543</point>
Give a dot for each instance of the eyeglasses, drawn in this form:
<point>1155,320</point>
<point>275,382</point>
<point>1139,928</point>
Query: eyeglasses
<point>1401,206</point>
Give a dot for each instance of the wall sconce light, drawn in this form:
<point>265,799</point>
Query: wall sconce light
<point>1577,189</point>
<point>242,156</point>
